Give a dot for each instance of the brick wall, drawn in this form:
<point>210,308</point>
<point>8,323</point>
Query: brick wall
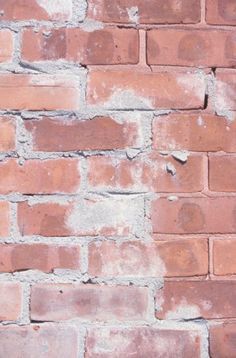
<point>117,178</point>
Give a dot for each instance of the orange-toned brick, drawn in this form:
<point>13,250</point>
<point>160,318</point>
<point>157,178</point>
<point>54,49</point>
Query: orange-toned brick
<point>194,215</point>
<point>157,11</point>
<point>7,134</point>
<point>40,176</point>
<point>141,89</point>
<point>39,92</point>
<point>194,131</point>
<point>191,47</point>
<point>6,45</point>
<point>221,12</point>
<point>224,252</point>
<point>100,133</point>
<point>46,258</point>
<point>10,301</point>
<point>99,47</point>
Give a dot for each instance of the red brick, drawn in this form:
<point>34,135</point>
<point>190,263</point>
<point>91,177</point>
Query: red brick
<point>99,47</point>
<point>47,258</point>
<point>137,259</point>
<point>16,10</point>
<point>157,11</point>
<point>39,92</point>
<point>5,218</point>
<point>39,176</point>
<point>224,252</point>
<point>38,341</point>
<point>226,89</point>
<point>10,301</point>
<point>146,174</point>
<point>97,303</point>
<point>191,47</point>
<point>6,45</point>
<point>222,173</point>
<point>142,342</point>
<point>195,299</point>
<point>197,132</point>
<point>221,12</point>
<point>194,215</point>
<point>141,89</point>
<point>7,134</point>
<point>100,133</point>
<point>92,217</point>
<point>223,340</point>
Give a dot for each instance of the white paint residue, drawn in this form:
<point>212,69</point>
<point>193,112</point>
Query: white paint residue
<point>89,216</point>
<point>194,86</point>
<point>57,9</point>
<point>127,99</point>
<point>184,310</point>
<point>91,25</point>
<point>133,14</point>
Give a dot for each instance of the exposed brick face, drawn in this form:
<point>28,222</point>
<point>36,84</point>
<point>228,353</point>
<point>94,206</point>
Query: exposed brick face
<point>100,47</point>
<point>63,302</point>
<point>117,178</point>
<point>158,11</point>
<point>141,342</point>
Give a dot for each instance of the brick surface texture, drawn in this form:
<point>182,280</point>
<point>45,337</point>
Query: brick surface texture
<point>118,178</point>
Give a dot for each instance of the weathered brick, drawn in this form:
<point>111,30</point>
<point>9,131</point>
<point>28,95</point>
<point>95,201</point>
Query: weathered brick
<point>100,133</point>
<point>6,45</point>
<point>39,341</point>
<point>157,11</point>
<point>150,173</point>
<point>226,89</point>
<point>5,218</point>
<point>194,131</point>
<point>194,215</point>
<point>191,47</point>
<point>221,12</point>
<point>16,10</point>
<point>97,303</point>
<point>142,342</point>
<point>141,89</point>
<point>43,257</point>
<point>222,173</point>
<point>10,301</point>
<point>7,134</point>
<point>195,299</point>
<point>39,92</point>
<point>139,259</point>
<point>222,340</point>
<point>39,176</point>
<point>99,47</point>
<point>95,216</point>
<point>224,252</point>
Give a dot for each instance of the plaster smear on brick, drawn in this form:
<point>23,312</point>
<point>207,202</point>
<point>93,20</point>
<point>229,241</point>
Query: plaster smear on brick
<point>91,25</point>
<point>196,88</point>
<point>225,101</point>
<point>127,99</point>
<point>184,310</point>
<point>96,216</point>
<point>56,8</point>
<point>131,258</point>
<point>133,14</point>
